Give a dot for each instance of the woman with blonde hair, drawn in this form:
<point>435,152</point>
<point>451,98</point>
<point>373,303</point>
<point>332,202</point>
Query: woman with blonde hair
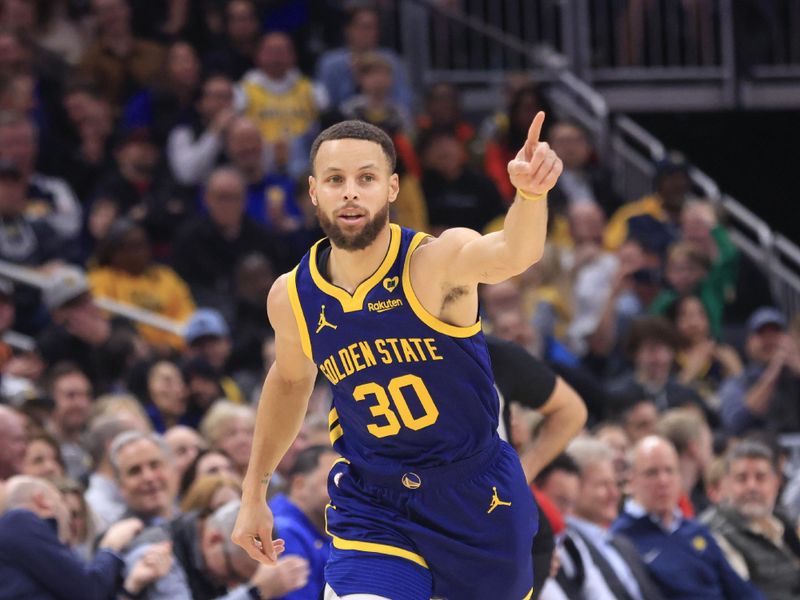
<point>82,522</point>
<point>209,492</point>
<point>229,427</point>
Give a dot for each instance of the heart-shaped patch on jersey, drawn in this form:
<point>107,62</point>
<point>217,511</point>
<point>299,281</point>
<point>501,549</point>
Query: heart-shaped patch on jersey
<point>390,283</point>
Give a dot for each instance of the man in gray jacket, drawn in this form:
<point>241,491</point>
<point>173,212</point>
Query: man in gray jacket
<point>759,543</point>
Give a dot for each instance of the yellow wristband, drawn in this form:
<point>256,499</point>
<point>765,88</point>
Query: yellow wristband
<point>526,196</point>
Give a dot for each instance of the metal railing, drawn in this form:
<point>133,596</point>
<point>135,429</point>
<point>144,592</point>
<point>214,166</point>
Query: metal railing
<point>630,150</point>
<point>692,54</point>
<point>40,280</point>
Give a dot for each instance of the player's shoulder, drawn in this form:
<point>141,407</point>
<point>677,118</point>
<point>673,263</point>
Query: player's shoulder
<point>449,241</point>
<point>278,299</point>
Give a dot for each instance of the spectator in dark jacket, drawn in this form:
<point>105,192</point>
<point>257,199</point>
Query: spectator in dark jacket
<point>35,564</point>
<point>681,554</point>
<point>767,394</point>
<point>208,246</point>
<point>457,195</point>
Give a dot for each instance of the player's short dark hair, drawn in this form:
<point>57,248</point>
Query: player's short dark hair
<point>562,462</point>
<point>308,460</point>
<point>356,130</point>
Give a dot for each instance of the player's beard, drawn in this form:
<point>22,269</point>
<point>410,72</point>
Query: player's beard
<point>359,240</point>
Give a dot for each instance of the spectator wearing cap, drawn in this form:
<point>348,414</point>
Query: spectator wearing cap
<point>78,332</point>
<point>761,544</point>
<point>656,215</point>
<point>47,199</point>
<point>680,554</point>
<point>207,245</point>
<point>651,344</point>
<point>126,272</point>
<point>119,63</point>
<point>208,337</point>
<point>12,450</point>
<point>767,394</point>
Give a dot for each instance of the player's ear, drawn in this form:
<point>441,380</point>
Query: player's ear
<point>394,186</point>
<point>312,189</point>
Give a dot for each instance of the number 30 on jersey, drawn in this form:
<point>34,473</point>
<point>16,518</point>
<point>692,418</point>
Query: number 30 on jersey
<point>391,404</point>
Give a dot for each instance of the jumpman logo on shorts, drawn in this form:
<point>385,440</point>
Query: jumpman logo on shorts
<point>323,322</point>
<point>496,501</point>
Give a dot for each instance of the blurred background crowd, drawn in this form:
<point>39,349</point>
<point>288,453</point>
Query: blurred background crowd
<point>154,155</point>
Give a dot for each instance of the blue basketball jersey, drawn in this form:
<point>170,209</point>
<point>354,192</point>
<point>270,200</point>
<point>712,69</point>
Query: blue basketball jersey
<point>407,388</point>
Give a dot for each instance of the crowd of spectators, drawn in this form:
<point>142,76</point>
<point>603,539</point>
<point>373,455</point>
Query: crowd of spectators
<point>156,154</point>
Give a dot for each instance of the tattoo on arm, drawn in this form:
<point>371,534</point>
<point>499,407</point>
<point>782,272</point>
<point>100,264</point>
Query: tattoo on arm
<point>266,478</point>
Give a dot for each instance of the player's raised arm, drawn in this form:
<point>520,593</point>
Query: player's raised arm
<point>498,256</point>
<point>281,409</point>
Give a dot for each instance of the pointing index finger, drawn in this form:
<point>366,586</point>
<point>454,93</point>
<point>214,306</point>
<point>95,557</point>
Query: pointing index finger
<point>535,130</point>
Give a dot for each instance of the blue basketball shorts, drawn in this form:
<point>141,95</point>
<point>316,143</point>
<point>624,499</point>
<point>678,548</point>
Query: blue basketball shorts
<point>462,531</point>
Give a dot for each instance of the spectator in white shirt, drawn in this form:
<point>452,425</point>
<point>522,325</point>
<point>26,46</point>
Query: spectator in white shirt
<point>194,149</point>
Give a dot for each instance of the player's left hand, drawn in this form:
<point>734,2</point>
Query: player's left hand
<point>536,167</point>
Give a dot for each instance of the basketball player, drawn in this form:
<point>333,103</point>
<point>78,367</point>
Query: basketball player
<point>426,500</point>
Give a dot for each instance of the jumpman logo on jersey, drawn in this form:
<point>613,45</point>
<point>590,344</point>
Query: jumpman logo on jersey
<point>496,501</point>
<point>323,322</point>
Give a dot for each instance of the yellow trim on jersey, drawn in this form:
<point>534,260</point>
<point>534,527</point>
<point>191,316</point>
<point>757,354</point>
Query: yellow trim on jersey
<point>431,321</point>
<point>343,544</point>
<point>297,309</point>
<point>336,462</point>
<point>356,301</point>
<point>529,595</point>
<point>336,433</point>
<point>333,416</point>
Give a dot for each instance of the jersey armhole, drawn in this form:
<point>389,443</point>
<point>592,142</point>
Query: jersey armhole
<point>299,317</point>
<point>422,314</point>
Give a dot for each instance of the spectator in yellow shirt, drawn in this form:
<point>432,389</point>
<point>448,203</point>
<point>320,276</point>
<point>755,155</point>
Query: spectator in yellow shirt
<point>125,272</point>
<point>657,214</point>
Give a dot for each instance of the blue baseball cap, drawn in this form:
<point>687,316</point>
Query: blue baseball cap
<point>766,315</point>
<point>205,322</point>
